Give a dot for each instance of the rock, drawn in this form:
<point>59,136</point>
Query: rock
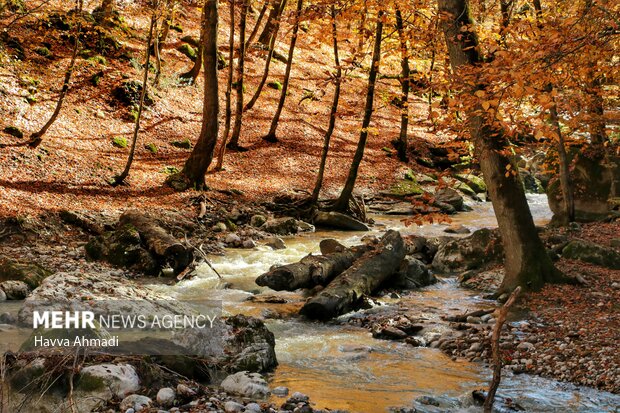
<point>248,244</point>
<point>406,187</point>
<point>298,397</point>
<point>165,397</point>
<point>232,240</point>
<point>280,226</point>
<point>253,407</point>
<point>412,274</point>
<point>185,391</point>
<point>275,243</point>
<point>531,184</point>
<point>473,320</point>
<point>390,333</point>
<point>25,377</point>
<point>15,290</point>
<point>475,183</point>
<point>111,380</point>
<point>303,226</point>
<point>330,246</point>
<point>458,255</point>
<point>14,131</point>
<point>257,220</point>
<point>30,273</point>
<point>280,391</point>
<point>338,220</point>
<point>246,384</point>
<point>231,407</point>
<point>457,229</point>
<point>8,318</point>
<point>219,227</point>
<point>451,197</point>
<point>136,402</point>
<point>526,346</point>
<point>3,296</point>
<point>129,92</point>
<point>592,253</point>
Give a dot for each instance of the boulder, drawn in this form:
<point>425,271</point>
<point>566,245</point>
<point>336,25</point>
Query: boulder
<point>108,380</point>
<point>405,188</point>
<point>136,402</point>
<point>457,229</point>
<point>479,249</point>
<point>338,220</point>
<point>474,182</point>
<point>165,396</point>
<point>246,384</point>
<point>450,197</point>
<point>15,290</point>
<point>592,253</point>
<point>257,220</point>
<point>412,274</point>
<point>280,226</point>
<point>275,243</point>
<point>30,273</point>
<point>531,184</point>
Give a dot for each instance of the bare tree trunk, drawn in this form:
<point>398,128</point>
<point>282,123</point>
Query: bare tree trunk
<point>333,112</point>
<point>273,21</point>
<point>236,133</point>
<point>342,204</point>
<point>272,45</point>
<point>259,20</point>
<point>37,137</point>
<point>105,11</point>
<point>193,73</point>
<point>526,261</point>
<point>199,160</point>
<point>165,26</point>
<point>121,178</point>
<point>229,82</point>
<point>157,50</point>
<point>404,117</point>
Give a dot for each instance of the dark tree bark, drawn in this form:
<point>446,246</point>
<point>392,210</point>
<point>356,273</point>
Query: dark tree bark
<point>196,166</point>
<point>271,135</point>
<point>342,204</point>
<point>312,270</point>
<point>271,49</point>
<point>526,261</point>
<point>37,137</point>
<point>333,112</point>
<point>259,20</point>
<point>104,14</point>
<point>344,293</point>
<point>236,133</point>
<point>191,76</point>
<point>229,82</point>
<point>404,117</point>
<point>273,21</point>
<point>121,178</point>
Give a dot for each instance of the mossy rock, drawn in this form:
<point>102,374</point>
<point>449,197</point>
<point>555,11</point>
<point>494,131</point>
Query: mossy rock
<point>14,131</point>
<point>592,253</point>
<point>474,182</point>
<point>43,51</point>
<point>275,85</point>
<point>30,273</point>
<point>406,187</point>
<point>151,147</point>
<point>120,142</point>
<point>188,51</point>
<point>184,144</point>
<point>464,188</point>
<point>530,183</point>
<point>128,93</point>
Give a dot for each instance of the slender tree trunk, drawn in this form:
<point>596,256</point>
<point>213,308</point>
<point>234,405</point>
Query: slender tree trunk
<point>273,21</point>
<point>37,137</point>
<point>526,261</point>
<point>199,160</point>
<point>361,40</point>
<point>229,82</point>
<point>157,50</point>
<point>121,178</point>
<point>236,133</point>
<point>105,11</point>
<point>342,204</point>
<point>165,26</point>
<point>259,20</point>
<point>271,47</point>
<point>271,136</point>
<point>565,184</point>
<point>191,76</point>
<point>333,112</point>
<point>404,117</point>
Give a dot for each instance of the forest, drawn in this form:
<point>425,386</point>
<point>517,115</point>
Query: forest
<point>309,206</point>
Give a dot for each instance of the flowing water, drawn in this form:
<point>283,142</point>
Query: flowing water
<point>343,367</point>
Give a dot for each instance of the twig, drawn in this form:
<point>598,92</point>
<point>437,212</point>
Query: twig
<point>497,361</point>
<point>71,376</point>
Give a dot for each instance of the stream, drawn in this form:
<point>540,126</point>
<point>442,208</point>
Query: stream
<point>343,367</point>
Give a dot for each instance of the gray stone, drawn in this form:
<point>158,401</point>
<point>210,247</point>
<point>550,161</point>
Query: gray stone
<point>165,396</point>
<point>248,244</point>
<point>457,229</point>
<point>219,227</point>
<point>232,240</point>
<point>117,380</point>
<point>459,255</point>
<point>2,295</point>
<point>338,220</point>
<point>525,346</point>
<point>258,220</point>
<point>15,290</point>
<point>246,384</point>
<point>185,391</point>
<point>232,407</point>
<point>412,274</point>
<point>253,407</point>
<point>7,318</point>
<point>280,226</point>
<point>136,402</point>
<point>451,197</point>
<point>275,243</point>
<point>280,391</point>
<point>592,253</point>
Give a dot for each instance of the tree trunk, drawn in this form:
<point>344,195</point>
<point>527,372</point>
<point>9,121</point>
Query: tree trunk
<point>121,178</point>
<point>157,50</point>
<point>332,113</point>
<point>273,21</point>
<point>272,45</point>
<point>596,110</point>
<point>342,204</point>
<point>199,160</point>
<point>506,10</point>
<point>271,136</point>
<point>37,137</point>
<point>234,139</point>
<point>259,20</point>
<point>191,76</point>
<point>312,270</point>
<point>344,293</point>
<point>105,12</point>
<point>158,241</point>
<point>229,82</point>
<point>165,27</point>
<point>404,117</point>
<point>526,263</point>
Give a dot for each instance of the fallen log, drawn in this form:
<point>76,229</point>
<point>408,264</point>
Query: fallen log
<point>362,278</point>
<point>158,241</point>
<point>312,270</point>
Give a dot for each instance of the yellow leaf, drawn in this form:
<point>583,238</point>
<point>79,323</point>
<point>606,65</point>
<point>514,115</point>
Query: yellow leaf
<point>486,105</point>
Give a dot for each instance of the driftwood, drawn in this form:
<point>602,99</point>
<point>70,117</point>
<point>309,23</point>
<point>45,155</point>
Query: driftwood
<point>312,270</point>
<point>362,278</point>
<point>158,241</point>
